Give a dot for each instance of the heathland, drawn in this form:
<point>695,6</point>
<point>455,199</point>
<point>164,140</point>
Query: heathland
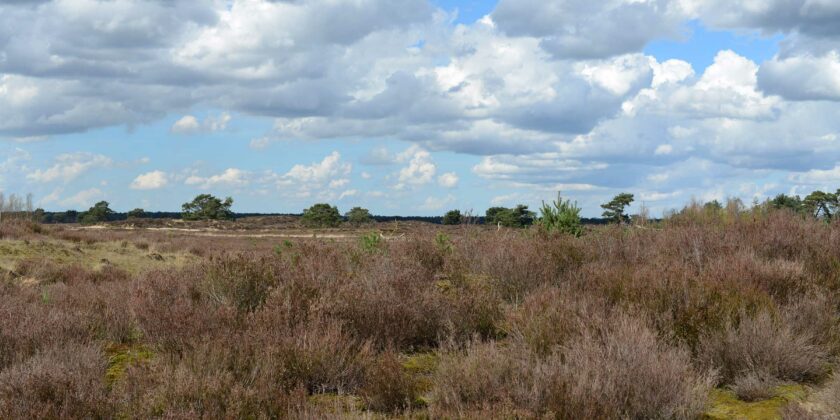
<point>710,313</point>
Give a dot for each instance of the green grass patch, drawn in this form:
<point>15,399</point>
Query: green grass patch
<point>724,405</point>
<point>121,356</point>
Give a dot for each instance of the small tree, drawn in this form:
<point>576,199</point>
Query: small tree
<point>452,217</point>
<point>518,216</point>
<point>100,212</point>
<point>782,201</point>
<point>321,215</point>
<point>207,207</point>
<point>614,210</point>
<point>358,216</point>
<point>494,215</point>
<point>821,204</point>
<point>561,216</point>
<point>136,214</point>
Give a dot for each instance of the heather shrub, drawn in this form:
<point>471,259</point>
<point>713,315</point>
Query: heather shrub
<point>519,264</point>
<point>761,345</point>
<point>472,309</point>
<point>754,386</point>
<point>828,397</point>
<point>259,372</point>
<point>616,371</point>
<point>66,381</point>
<point>621,370</point>
<point>423,252</point>
<point>46,271</point>
<point>20,229</point>
<point>388,386</point>
<point>549,317</point>
<point>318,356</point>
<point>815,314</point>
<point>393,301</point>
<point>238,281</point>
<point>172,312</point>
<point>29,323</point>
<point>402,311</point>
<point>482,376</point>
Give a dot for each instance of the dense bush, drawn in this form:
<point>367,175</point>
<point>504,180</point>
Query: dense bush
<point>358,216</point>
<point>561,216</point>
<point>321,215</point>
<point>518,216</point>
<point>617,323</point>
<point>100,212</point>
<point>452,217</point>
<point>207,207</point>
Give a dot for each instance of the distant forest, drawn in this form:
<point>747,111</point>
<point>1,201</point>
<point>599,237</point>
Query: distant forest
<point>72,216</point>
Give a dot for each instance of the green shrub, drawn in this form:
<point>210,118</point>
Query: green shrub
<point>321,215</point>
<point>561,216</point>
<point>452,217</point>
<point>100,212</point>
<point>358,216</point>
<point>372,242</point>
<point>207,207</point>
<point>443,242</point>
<point>518,216</point>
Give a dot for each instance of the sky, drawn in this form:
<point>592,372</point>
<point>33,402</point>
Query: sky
<point>412,107</point>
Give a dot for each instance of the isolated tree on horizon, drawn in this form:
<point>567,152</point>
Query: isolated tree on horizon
<point>561,216</point>
<point>358,216</point>
<point>518,216</point>
<point>207,207</point>
<point>321,215</point>
<point>821,204</point>
<point>783,201</point>
<point>614,209</point>
<point>137,213</point>
<point>100,212</point>
<point>452,217</point>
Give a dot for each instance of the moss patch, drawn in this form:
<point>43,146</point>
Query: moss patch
<point>121,356</point>
<point>421,363</point>
<point>723,404</point>
<point>90,256</point>
<point>421,366</point>
<point>337,404</point>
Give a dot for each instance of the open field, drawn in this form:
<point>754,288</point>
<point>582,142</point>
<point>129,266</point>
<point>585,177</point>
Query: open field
<point>705,315</point>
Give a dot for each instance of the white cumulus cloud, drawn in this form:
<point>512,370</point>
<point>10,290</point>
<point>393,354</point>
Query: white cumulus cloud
<point>150,181</point>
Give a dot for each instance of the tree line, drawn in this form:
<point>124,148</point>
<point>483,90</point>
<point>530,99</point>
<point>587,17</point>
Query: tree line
<point>208,207</point>
<point>560,214</point>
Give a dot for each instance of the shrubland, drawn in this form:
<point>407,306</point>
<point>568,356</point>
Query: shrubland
<point>670,320</point>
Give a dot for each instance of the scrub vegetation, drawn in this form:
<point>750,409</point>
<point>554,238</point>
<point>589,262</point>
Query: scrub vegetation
<point>717,311</point>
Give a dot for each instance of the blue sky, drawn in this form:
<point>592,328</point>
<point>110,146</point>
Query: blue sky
<point>413,108</point>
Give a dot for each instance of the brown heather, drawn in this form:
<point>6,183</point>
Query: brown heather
<point>623,322</point>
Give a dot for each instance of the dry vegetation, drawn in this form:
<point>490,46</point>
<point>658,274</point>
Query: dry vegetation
<point>706,314</point>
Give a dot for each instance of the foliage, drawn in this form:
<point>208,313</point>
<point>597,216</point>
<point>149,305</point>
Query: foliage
<point>518,216</point>
<point>137,213</point>
<point>207,207</point>
<point>620,323</point>
<point>614,209</point>
<point>452,217</point>
<point>358,216</point>
<point>371,242</point>
<point>100,212</point>
<point>443,242</point>
<point>783,201</point>
<point>822,204</point>
<point>321,215</point>
<point>561,216</point>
